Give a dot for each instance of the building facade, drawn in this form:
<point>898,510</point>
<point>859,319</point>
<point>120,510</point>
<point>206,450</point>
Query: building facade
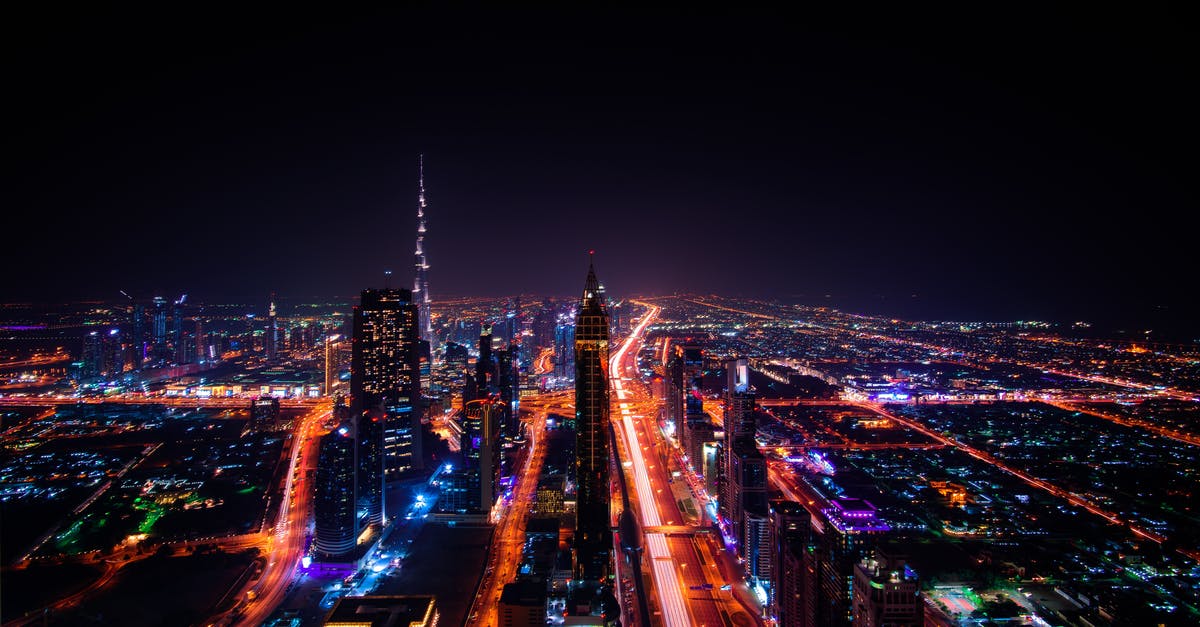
<point>593,535</point>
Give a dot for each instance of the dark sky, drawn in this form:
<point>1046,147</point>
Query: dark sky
<point>996,165</point>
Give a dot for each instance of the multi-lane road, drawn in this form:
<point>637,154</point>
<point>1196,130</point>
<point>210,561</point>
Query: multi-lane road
<point>687,581</point>
<point>286,542</point>
<point>509,537</point>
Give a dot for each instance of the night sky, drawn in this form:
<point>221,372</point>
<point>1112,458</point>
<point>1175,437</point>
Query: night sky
<point>946,164</point>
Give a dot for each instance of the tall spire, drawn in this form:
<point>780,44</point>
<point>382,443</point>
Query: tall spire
<point>593,291</point>
<point>421,277</point>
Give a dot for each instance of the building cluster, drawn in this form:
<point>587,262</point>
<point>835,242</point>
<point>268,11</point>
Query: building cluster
<point>806,562</point>
<point>142,343</point>
<point>992,497</point>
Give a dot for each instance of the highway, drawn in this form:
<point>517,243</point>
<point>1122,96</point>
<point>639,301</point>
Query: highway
<point>286,544</point>
<point>675,565</point>
<point>508,541</point>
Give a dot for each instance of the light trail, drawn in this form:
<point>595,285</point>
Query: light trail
<point>666,583</point>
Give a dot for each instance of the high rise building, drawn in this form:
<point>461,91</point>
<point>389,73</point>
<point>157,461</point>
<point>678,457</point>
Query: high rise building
<point>477,482</point>
<point>886,592</point>
<point>743,488</point>
<point>564,348</point>
<point>790,533</point>
<point>272,330</point>
<point>592,531</point>
<point>685,405</point>
<point>420,292</point>
<point>159,327</point>
<point>336,487</point>
<point>486,372</point>
<point>842,534</point>
<point>507,384</point>
<point>385,366</point>
<point>369,433</point>
<point>139,335</point>
<point>182,355</point>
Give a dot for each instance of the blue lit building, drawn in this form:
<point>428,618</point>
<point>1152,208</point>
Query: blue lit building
<point>336,488</point>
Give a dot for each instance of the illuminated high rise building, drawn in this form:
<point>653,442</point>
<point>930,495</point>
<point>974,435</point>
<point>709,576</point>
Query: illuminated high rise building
<point>475,486</point>
<point>182,355</point>
<point>886,592</point>
<point>272,330</point>
<point>420,291</point>
<point>334,506</point>
<point>792,602</point>
<point>564,347</point>
<point>384,373</point>
<point>159,327</point>
<point>593,538</point>
<point>139,335</point>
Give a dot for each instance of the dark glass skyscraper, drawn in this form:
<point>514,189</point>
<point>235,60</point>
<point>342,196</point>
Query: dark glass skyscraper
<point>384,389</point>
<point>593,535</point>
<point>334,506</point>
<point>476,484</point>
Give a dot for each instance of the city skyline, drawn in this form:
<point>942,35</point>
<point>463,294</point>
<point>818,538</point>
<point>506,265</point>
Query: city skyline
<point>1037,180</point>
<point>896,326</point>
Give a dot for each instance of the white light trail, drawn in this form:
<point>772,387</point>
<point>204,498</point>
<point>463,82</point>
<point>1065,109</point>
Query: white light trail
<point>666,582</point>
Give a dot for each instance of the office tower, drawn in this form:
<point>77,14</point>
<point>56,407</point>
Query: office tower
<point>369,433</point>
<point>420,292</point>
<point>180,347</point>
<point>456,356</point>
<point>739,400</point>
<point>790,533</point>
<point>139,335</point>
<point>272,330</point>
<point>564,347</point>
<point>743,486</point>
<point>385,369</point>
<point>334,503</point>
<point>92,358</point>
<point>592,532</point>
<point>543,327</point>
<point>331,369</point>
<point>746,481</point>
<point>507,384</point>
<point>685,406</point>
<point>473,487</point>
<point>886,592</point>
<point>425,367</point>
<point>841,536</point>
<point>482,452</point>
<point>757,547</point>
<point>486,371</point>
<point>264,414</point>
<point>160,327</point>
<point>201,342</point>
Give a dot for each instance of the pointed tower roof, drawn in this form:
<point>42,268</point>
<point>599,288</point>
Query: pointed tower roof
<point>593,292</point>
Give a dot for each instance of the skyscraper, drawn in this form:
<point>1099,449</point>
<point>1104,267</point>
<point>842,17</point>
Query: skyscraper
<point>160,327</point>
<point>272,330</point>
<point>592,531</point>
<point>139,335</point>
<point>385,371</point>
<point>564,347</point>
<point>475,485</point>
<point>886,592</point>
<point>181,353</point>
<point>336,487</point>
<point>744,491</point>
<point>792,602</point>
<point>420,291</point>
